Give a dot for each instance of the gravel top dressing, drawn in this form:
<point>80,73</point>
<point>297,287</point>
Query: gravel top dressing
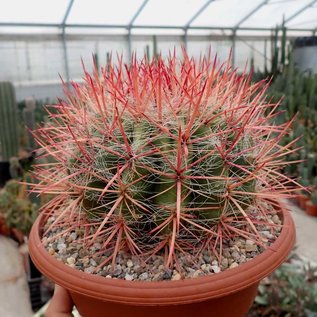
<point>69,248</point>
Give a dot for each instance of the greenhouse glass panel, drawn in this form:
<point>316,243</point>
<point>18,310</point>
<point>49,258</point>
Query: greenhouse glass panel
<point>28,30</point>
<point>32,11</point>
<point>225,13</point>
<point>142,47</point>
<point>307,19</point>
<point>118,12</point>
<point>272,14</point>
<point>77,51</point>
<point>166,12</point>
<point>219,49</point>
<point>167,47</point>
<point>248,52</point>
<point>13,61</point>
<point>45,61</point>
<point>84,50</point>
<point>115,48</point>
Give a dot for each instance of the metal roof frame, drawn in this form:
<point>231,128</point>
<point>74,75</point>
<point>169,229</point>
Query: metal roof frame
<point>64,25</point>
<point>300,11</point>
<point>258,7</point>
<point>197,14</point>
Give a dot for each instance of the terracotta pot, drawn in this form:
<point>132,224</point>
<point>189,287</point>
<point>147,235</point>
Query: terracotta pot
<point>229,293</point>
<point>311,209</point>
<point>302,199</point>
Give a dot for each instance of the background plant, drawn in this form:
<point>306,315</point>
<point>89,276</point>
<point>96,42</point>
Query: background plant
<point>16,208</point>
<point>297,91</point>
<point>290,291</point>
<point>164,157</point>
<point>9,128</point>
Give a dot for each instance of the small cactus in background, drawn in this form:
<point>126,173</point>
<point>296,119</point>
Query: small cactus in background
<point>9,125</point>
<point>29,120</point>
<point>163,157</point>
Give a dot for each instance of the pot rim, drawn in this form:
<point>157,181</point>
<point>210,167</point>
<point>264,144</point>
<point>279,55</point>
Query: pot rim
<point>164,292</point>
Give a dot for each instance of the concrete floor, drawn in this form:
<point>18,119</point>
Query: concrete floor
<point>14,296</point>
<point>306,234</point>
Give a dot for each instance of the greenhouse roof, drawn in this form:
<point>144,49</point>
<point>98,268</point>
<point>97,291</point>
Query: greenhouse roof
<point>171,15</point>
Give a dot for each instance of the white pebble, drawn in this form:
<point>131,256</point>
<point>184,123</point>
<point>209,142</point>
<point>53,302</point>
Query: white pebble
<point>144,276</point>
<point>89,269</point>
<point>233,265</point>
<point>197,273</point>
<point>250,242</point>
<point>85,260</point>
<point>129,263</point>
<point>128,277</point>
<point>71,260</point>
<point>224,262</point>
<point>61,246</point>
<point>251,247</point>
<point>93,262</point>
<point>276,219</point>
<point>73,236</point>
<point>216,268</point>
<point>176,277</point>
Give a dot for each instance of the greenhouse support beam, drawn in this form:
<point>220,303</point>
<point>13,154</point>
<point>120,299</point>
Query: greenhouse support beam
<point>164,27</point>
<point>122,37</point>
<point>155,52</point>
<point>186,39</point>
<point>233,50</point>
<point>129,45</point>
<point>300,11</point>
<point>65,57</point>
<point>137,13</point>
<point>197,14</point>
<point>70,5</point>
<point>257,8</point>
<point>130,25</point>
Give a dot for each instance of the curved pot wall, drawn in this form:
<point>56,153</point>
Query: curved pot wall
<point>229,293</point>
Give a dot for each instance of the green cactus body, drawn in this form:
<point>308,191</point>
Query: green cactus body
<point>9,127</point>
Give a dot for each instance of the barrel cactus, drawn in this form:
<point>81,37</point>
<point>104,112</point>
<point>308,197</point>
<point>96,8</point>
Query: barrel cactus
<point>163,157</point>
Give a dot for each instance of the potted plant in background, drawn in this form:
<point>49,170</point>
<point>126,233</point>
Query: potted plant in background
<point>16,209</point>
<point>167,190</point>
<point>311,205</point>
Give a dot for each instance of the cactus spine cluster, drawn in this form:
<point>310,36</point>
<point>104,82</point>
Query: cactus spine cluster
<point>163,157</point>
<point>9,127</point>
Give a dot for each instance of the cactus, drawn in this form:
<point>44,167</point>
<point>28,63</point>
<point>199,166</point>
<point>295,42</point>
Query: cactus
<point>301,98</point>
<point>163,158</point>
<point>283,46</point>
<point>29,120</point>
<point>9,126</point>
